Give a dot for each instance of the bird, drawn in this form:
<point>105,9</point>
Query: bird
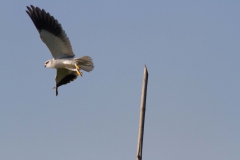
<point>51,33</point>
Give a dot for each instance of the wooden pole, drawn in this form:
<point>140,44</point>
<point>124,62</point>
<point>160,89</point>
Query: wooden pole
<point>142,114</point>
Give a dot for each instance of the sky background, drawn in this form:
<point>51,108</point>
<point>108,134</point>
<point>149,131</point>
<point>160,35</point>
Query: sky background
<point>191,50</point>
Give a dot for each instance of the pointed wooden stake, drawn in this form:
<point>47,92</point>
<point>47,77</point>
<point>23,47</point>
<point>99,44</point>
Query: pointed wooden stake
<point>142,114</point>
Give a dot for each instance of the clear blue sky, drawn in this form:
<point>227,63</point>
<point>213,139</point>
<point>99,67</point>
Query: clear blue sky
<point>192,52</point>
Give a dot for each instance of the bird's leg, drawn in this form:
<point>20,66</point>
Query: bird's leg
<point>79,73</point>
<point>78,70</point>
<point>77,67</point>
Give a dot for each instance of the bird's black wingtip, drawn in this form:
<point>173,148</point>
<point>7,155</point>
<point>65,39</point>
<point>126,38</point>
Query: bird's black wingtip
<point>56,88</point>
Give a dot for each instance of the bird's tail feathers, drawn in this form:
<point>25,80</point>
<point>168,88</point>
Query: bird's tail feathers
<point>85,63</point>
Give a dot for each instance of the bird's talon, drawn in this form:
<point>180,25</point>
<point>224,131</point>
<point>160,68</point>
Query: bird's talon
<point>79,73</point>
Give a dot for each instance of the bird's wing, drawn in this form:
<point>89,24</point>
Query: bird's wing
<point>64,76</point>
<point>51,33</point>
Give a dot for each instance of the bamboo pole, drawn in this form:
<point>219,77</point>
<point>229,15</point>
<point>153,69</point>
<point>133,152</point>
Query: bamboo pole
<point>142,114</point>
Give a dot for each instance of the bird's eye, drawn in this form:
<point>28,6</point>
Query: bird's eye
<point>47,62</point>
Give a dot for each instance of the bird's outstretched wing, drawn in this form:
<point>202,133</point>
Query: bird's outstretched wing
<point>64,76</point>
<point>51,33</point>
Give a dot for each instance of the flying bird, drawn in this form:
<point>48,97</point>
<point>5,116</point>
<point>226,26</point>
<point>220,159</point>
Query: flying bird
<point>51,33</point>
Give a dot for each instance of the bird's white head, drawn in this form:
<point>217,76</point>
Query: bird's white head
<point>48,64</point>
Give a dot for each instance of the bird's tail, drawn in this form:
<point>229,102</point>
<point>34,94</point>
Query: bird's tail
<point>85,63</point>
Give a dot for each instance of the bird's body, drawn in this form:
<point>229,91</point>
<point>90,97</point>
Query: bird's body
<point>68,63</point>
<point>52,34</point>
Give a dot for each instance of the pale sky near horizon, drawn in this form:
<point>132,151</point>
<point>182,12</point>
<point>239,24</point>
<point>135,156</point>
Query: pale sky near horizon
<point>191,50</point>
